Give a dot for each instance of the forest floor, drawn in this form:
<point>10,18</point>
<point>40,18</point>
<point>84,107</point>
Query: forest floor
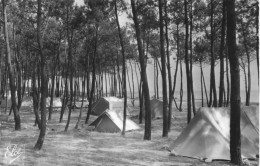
<point>83,147</point>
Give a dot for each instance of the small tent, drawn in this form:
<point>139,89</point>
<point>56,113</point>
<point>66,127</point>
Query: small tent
<point>111,103</point>
<point>207,136</point>
<point>57,103</point>
<point>156,108</point>
<point>111,121</point>
<point>27,101</point>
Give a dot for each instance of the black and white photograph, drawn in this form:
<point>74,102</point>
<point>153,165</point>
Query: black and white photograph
<point>129,82</point>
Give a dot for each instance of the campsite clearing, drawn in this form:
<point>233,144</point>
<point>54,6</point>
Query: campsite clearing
<point>83,147</point>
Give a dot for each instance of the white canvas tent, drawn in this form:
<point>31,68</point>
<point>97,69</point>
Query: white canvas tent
<point>111,121</point>
<point>207,136</point>
<point>111,103</point>
<point>57,103</point>
<point>27,102</point>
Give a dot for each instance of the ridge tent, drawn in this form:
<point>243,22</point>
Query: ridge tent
<point>111,121</point>
<point>111,103</point>
<point>207,136</point>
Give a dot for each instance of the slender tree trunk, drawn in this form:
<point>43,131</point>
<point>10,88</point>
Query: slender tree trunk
<point>212,62</point>
<point>41,138</point>
<point>118,76</point>
<point>10,69</point>
<point>168,67</point>
<point>257,38</point>
<point>191,75</point>
<point>176,67</point>
<point>93,76</point>
<point>157,79</point>
<point>35,95</point>
<point>129,84</point>
<point>201,84</point>
<point>205,87</point>
<point>181,87</point>
<point>187,62</point>
<point>124,69</point>
<point>147,133</point>
<point>70,61</point>
<point>227,78</point>
<point>82,102</point>
<point>221,56</point>
<point>164,78</point>
<point>133,84</point>
<point>235,133</point>
<point>139,86</point>
<point>154,77</point>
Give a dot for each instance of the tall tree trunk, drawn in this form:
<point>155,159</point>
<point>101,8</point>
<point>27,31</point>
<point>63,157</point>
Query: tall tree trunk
<point>235,133</point>
<point>257,38</point>
<point>10,69</point>
<point>70,61</point>
<point>221,56</point>
<point>176,67</point>
<point>147,132</point>
<point>168,67</point>
<point>40,140</point>
<point>187,62</point>
<point>212,61</point>
<point>124,69</point>
<point>191,75</point>
<point>164,79</point>
<point>93,76</point>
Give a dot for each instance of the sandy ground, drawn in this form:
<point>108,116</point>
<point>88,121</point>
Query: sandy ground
<point>84,147</point>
